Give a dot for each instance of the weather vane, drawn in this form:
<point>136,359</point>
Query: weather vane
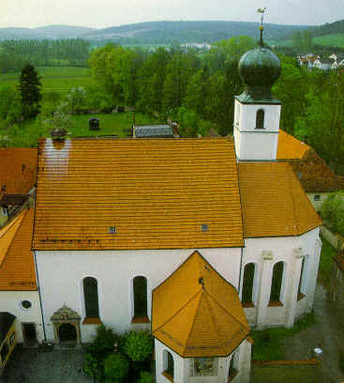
<point>261,28</point>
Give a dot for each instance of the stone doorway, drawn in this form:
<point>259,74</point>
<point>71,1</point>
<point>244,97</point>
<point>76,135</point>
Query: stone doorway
<point>67,333</point>
<point>66,324</point>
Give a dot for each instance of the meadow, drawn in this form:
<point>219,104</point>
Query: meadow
<point>57,79</point>
<point>333,40</point>
<point>27,134</point>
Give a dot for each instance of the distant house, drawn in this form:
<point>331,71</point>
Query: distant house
<point>18,169</point>
<point>316,177</point>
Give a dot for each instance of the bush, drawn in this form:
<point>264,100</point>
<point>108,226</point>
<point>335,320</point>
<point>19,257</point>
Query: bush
<point>145,377</point>
<point>138,346</point>
<point>91,366</point>
<point>103,343</point>
<point>116,367</point>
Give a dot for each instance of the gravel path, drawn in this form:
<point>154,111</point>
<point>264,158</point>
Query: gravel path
<point>57,366</point>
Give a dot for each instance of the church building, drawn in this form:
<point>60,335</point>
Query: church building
<point>196,240</point>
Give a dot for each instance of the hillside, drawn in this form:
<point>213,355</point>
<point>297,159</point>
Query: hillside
<point>188,31</point>
<point>43,33</point>
<point>159,32</point>
<point>327,29</point>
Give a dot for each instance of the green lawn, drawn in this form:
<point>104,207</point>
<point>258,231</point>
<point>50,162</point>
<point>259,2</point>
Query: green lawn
<point>27,134</point>
<point>59,79</point>
<point>286,374</point>
<point>267,343</point>
<point>326,263</point>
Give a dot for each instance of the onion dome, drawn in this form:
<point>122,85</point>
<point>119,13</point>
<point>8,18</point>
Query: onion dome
<point>259,68</point>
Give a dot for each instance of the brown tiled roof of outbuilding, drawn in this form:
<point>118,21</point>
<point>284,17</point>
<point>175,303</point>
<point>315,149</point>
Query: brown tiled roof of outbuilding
<point>17,270</point>
<point>274,203</point>
<point>315,175</point>
<point>156,193</point>
<point>17,169</point>
<point>197,313</point>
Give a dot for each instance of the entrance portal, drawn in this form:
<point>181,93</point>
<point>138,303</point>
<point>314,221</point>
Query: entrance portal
<point>29,333</point>
<point>67,333</point>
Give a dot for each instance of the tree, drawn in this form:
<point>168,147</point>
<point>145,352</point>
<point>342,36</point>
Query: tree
<point>30,89</point>
<point>332,211</point>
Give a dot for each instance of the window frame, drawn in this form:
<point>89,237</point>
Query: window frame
<point>272,300</point>
<point>260,119</point>
<point>87,309</point>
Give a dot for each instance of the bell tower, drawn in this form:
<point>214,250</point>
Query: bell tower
<point>256,111</point>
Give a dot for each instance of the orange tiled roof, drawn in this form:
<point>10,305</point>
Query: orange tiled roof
<point>196,312</point>
<point>274,203</point>
<point>17,271</point>
<point>18,169</point>
<point>156,193</point>
<point>290,147</point>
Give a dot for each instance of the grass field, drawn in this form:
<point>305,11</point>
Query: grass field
<point>332,40</point>
<point>326,263</point>
<point>59,79</point>
<point>27,134</point>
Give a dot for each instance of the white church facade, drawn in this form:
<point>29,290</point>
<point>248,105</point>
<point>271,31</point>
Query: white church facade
<point>193,239</point>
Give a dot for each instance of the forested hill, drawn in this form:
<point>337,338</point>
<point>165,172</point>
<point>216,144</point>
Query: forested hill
<point>189,31</point>
<point>159,32</point>
<point>43,33</point>
<point>327,29</point>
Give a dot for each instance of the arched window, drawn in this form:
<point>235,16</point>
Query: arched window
<point>247,286</point>
<point>91,297</point>
<point>260,119</point>
<point>168,364</point>
<point>140,297</point>
<point>277,276</point>
<point>300,292</point>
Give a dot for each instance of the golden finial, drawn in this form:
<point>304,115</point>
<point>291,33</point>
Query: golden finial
<point>261,28</point>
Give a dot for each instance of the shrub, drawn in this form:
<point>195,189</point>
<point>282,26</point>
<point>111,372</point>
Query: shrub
<point>116,367</point>
<point>138,345</point>
<point>91,366</point>
<point>103,343</point>
<point>145,377</point>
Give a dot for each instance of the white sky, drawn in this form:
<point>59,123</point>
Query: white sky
<point>105,13</point>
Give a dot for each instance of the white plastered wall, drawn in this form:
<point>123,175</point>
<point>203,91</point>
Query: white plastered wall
<point>317,201</point>
<point>251,143</point>
<point>10,302</point>
<point>182,366</point>
<point>265,253</point>
<point>61,274</point>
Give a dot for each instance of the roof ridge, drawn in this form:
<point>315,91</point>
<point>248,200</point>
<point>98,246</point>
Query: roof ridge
<point>179,310</point>
<point>193,321</point>
<point>223,308</point>
<point>18,221</point>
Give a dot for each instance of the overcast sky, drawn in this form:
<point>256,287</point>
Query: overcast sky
<point>105,13</point>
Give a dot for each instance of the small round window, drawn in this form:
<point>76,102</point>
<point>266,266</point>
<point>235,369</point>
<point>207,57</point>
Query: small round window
<point>26,304</point>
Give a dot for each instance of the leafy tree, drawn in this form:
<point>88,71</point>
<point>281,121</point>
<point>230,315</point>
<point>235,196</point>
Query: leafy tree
<point>10,107</point>
<point>30,90</point>
<point>76,98</point>
<point>145,377</point>
<point>332,211</point>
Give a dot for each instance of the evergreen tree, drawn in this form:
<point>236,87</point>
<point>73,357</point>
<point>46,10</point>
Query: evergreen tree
<point>30,89</point>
